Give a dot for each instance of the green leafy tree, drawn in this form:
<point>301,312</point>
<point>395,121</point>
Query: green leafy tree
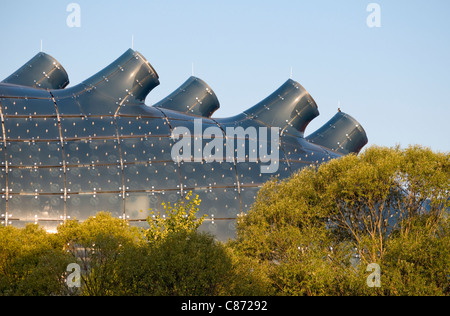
<point>318,230</point>
<point>382,190</point>
<point>180,264</point>
<point>96,245</point>
<point>178,260</point>
<point>286,233</point>
<point>417,261</point>
<point>179,217</point>
<point>32,262</point>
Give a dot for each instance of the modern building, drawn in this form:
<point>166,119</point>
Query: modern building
<point>70,152</point>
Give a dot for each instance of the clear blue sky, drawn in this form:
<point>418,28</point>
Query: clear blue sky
<point>395,80</point>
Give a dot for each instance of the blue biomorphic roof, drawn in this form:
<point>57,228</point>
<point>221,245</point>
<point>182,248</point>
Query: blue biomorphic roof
<point>70,152</point>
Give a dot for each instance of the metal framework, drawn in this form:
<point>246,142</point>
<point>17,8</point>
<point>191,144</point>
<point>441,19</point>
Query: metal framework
<point>69,152</point>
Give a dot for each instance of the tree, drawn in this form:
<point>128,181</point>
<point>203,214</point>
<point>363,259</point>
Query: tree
<point>176,259</point>
<point>32,262</point>
<point>417,259</point>
<point>171,258</point>
<point>180,264</point>
<point>97,244</point>
<point>286,233</point>
<point>382,190</point>
<point>180,217</point>
<point>318,230</point>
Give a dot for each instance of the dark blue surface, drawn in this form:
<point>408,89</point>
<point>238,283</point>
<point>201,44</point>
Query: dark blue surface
<point>70,153</point>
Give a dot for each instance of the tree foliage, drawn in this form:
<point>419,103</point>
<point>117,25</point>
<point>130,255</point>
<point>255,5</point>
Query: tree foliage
<point>31,262</point>
<point>182,263</point>
<point>319,229</point>
<point>168,258</point>
<point>96,245</point>
<point>312,234</point>
<point>176,218</point>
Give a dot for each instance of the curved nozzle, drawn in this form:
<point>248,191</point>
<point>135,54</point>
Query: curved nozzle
<point>192,97</point>
<point>42,72</point>
<point>342,134</point>
<point>129,77</point>
<point>289,106</point>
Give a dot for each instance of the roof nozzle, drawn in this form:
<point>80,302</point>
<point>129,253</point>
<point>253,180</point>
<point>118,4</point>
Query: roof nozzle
<point>129,77</point>
<point>289,106</point>
<point>342,134</point>
<point>192,97</point>
<point>42,72</point>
